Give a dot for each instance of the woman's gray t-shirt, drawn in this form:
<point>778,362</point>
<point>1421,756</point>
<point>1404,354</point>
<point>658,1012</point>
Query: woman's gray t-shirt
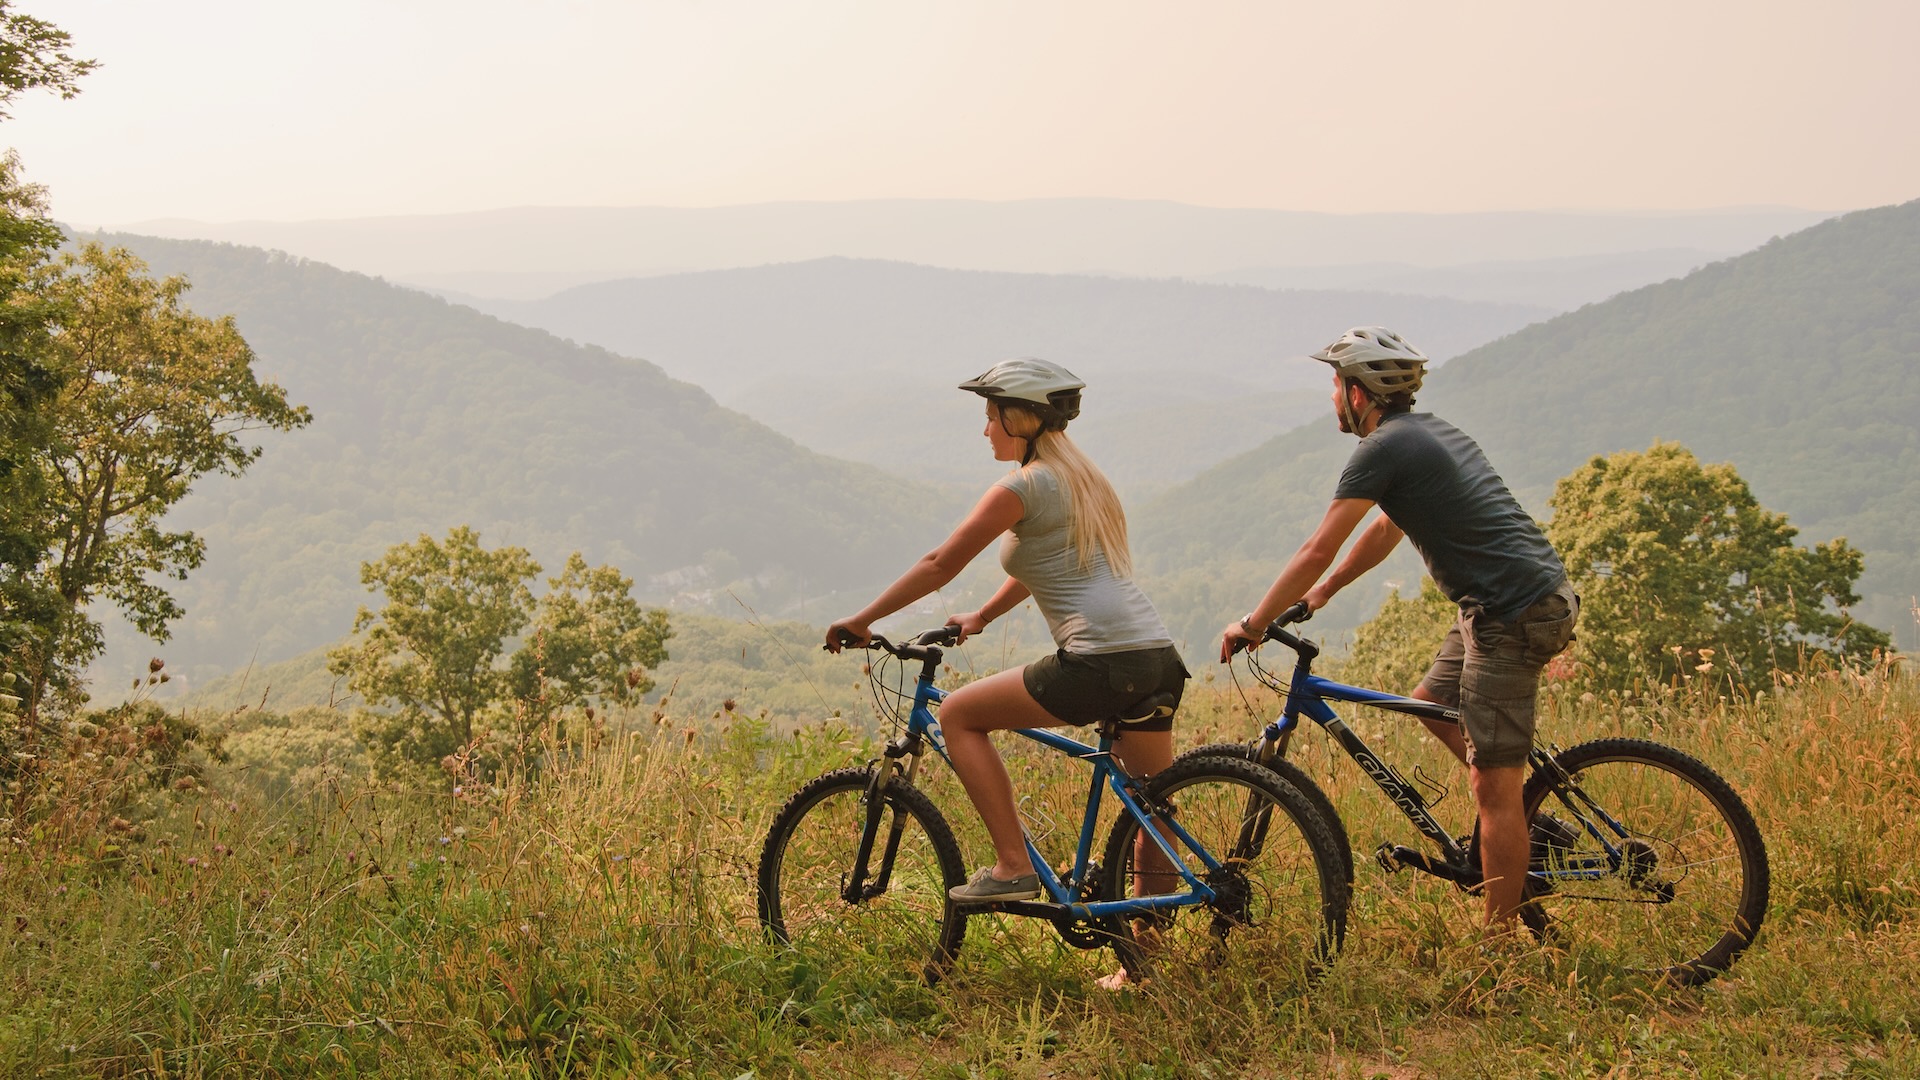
<point>1088,611</point>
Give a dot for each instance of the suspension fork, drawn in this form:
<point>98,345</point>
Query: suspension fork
<point>856,887</point>
<point>1257,819</point>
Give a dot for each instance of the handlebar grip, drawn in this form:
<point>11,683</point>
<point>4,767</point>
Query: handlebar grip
<point>848,641</point>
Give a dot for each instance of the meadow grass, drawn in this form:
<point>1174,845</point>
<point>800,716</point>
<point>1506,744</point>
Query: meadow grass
<point>599,921</point>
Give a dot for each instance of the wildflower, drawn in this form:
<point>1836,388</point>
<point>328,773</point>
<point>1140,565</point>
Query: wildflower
<point>460,831</point>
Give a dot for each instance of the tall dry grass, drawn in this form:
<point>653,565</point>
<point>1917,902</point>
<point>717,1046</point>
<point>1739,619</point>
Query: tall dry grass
<point>600,921</point>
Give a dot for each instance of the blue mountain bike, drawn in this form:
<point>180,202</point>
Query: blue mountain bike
<point>1640,853</point>
<point>1213,850</point>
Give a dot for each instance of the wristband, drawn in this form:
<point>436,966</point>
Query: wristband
<point>1246,624</point>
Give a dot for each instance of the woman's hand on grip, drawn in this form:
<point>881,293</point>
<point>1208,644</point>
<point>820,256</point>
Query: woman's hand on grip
<point>847,632</point>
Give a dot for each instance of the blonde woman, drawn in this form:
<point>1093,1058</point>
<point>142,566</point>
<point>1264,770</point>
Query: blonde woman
<point>1066,547</point>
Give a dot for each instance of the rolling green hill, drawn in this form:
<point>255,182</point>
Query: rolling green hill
<point>1798,362</point>
<point>428,415</point>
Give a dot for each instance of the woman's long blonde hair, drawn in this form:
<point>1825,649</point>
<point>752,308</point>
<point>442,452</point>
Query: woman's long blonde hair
<point>1096,521</point>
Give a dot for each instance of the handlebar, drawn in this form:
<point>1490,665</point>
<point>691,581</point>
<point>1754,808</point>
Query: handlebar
<point>1276,630</point>
<point>910,649</point>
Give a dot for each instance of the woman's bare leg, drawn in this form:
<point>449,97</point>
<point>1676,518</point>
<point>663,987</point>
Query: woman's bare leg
<point>967,718</point>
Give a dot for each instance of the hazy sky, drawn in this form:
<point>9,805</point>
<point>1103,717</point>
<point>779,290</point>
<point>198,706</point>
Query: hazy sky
<point>236,109</point>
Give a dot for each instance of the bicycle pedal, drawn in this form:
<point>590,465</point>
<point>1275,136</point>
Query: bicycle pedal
<point>1384,855</point>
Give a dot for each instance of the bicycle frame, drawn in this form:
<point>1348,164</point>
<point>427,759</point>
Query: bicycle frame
<point>923,729</point>
<point>1308,695</point>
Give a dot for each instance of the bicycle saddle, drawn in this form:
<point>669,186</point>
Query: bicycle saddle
<point>1152,707</point>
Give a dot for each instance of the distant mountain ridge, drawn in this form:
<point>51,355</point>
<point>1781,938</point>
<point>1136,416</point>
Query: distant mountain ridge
<point>1795,362</point>
<point>1559,284</point>
<point>859,357</point>
<point>1103,236</point>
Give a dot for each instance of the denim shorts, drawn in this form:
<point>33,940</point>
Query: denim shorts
<point>1086,688</point>
<point>1490,671</point>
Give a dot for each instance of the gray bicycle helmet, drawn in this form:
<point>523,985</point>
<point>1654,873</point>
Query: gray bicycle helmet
<point>1376,358</point>
<point>1051,391</point>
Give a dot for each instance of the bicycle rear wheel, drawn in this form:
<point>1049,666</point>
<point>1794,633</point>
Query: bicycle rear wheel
<point>899,914</point>
<point>1281,885</point>
<point>1648,857</point>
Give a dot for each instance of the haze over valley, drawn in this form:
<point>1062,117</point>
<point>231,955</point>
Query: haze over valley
<point>431,414</point>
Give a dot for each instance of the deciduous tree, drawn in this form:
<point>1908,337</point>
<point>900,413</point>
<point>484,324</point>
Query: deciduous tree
<point>1679,569</point>
<point>590,639</point>
<point>434,656</point>
<point>150,397</point>
<point>432,653</point>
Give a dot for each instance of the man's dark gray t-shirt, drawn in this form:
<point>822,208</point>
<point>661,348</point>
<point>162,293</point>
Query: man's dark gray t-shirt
<point>1434,482</point>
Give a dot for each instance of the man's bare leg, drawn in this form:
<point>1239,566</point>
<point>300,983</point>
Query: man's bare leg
<point>1505,845</point>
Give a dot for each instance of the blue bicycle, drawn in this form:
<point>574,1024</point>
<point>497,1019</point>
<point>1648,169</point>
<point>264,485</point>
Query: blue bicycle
<point>1640,853</point>
<point>1213,849</point>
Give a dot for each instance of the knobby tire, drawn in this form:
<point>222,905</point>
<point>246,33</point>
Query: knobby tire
<point>1283,899</point>
<point>1691,892</point>
<point>810,851</point>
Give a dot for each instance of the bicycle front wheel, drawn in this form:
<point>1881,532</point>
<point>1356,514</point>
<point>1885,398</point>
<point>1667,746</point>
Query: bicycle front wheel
<point>1303,783</point>
<point>1648,857</point>
<point>1280,883</point>
<point>897,914</point>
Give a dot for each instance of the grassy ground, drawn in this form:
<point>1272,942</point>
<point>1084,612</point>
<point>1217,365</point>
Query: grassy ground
<point>601,923</point>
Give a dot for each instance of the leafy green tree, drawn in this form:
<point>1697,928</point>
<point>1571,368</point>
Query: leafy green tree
<point>33,56</point>
<point>1679,570</point>
<point>150,398</point>
<point>432,653</point>
<point>435,655</point>
<point>27,385</point>
<point>590,639</point>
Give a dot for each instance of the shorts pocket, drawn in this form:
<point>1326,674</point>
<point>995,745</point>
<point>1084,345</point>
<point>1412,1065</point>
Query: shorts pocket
<point>1547,637</point>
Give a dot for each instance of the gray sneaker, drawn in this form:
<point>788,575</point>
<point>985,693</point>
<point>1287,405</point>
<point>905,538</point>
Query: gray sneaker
<point>984,888</point>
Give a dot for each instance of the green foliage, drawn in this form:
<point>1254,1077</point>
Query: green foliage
<point>33,56</point>
<point>590,639</point>
<point>151,398</point>
<point>167,750</point>
<point>431,653</point>
<point>1680,569</point>
<point>1395,648</point>
<point>28,383</point>
<point>434,656</point>
<point>301,750</point>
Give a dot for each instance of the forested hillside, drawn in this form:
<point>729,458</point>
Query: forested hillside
<point>428,414</point>
<point>1797,363</point>
<point>859,357</point>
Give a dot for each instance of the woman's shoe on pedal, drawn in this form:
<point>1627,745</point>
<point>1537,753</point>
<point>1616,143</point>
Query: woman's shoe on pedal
<point>984,888</point>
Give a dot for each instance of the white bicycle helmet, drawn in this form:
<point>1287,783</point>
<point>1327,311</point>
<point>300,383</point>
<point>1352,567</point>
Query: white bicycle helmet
<point>1376,358</point>
<point>1051,391</point>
